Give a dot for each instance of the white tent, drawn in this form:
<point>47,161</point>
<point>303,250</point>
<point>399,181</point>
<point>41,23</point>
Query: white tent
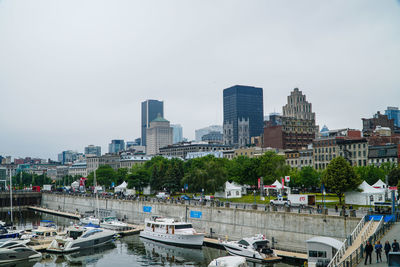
<point>278,185</point>
<point>233,190</point>
<point>75,184</point>
<point>367,196</point>
<point>121,188</point>
<point>379,184</point>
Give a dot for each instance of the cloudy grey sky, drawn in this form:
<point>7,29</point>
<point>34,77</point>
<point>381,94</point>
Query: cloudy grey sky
<point>74,72</point>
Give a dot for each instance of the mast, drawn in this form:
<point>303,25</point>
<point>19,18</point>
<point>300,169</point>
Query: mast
<point>11,199</point>
<point>97,199</point>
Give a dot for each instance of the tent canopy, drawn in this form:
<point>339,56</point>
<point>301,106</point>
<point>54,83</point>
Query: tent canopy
<point>123,185</point>
<point>367,189</point>
<point>379,184</point>
<point>232,186</point>
<point>278,185</point>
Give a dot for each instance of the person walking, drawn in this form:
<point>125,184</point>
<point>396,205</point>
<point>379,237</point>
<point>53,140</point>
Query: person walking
<point>378,250</point>
<point>336,208</point>
<point>395,246</point>
<point>368,252</point>
<point>387,249</point>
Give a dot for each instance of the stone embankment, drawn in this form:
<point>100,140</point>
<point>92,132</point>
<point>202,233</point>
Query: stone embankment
<point>289,230</point>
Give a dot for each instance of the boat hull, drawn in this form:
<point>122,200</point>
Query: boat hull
<point>195,240</point>
<point>250,256</point>
<point>75,245</point>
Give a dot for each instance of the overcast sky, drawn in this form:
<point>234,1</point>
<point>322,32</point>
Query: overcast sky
<point>73,73</point>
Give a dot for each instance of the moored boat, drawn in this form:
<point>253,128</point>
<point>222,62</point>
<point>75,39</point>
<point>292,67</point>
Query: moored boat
<point>113,223</point>
<point>16,250</point>
<point>172,231</point>
<point>81,238</point>
<point>229,261</point>
<point>253,248</point>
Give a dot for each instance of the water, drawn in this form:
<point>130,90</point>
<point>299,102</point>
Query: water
<point>127,251</point>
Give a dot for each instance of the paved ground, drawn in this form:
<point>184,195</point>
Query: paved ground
<point>394,233</point>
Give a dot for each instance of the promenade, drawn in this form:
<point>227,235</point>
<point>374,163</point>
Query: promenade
<point>393,233</point>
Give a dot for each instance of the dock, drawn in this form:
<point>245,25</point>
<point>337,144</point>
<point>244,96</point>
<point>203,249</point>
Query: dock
<point>215,243</point>
<point>56,212</point>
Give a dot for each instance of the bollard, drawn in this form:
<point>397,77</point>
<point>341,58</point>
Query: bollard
<point>287,209</point>
<point>254,206</point>
<point>226,204</point>
<point>352,213</point>
<point>325,211</point>
<point>274,208</point>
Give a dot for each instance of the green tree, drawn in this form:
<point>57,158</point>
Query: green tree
<point>340,177</point>
<point>243,170</point>
<point>272,167</point>
<point>394,177</point>
<point>309,177</point>
<point>371,174</point>
<point>139,177</point>
<point>173,175</point>
<point>105,175</point>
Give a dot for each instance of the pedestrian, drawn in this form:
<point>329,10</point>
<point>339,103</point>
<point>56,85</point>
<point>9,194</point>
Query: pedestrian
<point>368,253</point>
<point>395,246</point>
<point>336,208</point>
<point>378,250</point>
<point>387,249</point>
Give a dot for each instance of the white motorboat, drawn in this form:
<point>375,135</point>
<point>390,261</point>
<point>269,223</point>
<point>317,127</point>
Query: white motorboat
<point>80,238</point>
<point>229,261</point>
<point>113,223</point>
<point>90,220</point>
<point>170,253</point>
<point>42,235</point>
<point>253,248</point>
<point>171,231</point>
<point>16,250</point>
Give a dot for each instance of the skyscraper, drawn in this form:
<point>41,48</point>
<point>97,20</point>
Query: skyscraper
<point>93,150</point>
<point>199,133</point>
<point>150,110</point>
<point>177,135</point>
<point>243,114</point>
<point>393,113</point>
<point>159,134</point>
<point>116,146</point>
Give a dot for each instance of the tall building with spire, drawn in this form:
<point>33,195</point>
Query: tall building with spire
<point>298,107</point>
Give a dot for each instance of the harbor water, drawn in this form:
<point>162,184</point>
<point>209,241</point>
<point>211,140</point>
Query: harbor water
<point>126,251</point>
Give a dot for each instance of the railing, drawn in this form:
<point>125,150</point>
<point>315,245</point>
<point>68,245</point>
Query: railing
<point>366,231</point>
<point>355,257</point>
<point>357,230</point>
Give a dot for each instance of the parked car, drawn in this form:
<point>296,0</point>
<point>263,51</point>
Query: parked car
<point>185,197</point>
<point>162,195</point>
<point>280,201</point>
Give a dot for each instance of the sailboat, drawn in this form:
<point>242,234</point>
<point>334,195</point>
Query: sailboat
<point>5,233</point>
<point>93,219</point>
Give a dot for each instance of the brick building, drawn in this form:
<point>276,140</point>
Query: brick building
<point>369,125</point>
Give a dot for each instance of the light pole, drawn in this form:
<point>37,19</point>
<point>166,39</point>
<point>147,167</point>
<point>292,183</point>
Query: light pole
<point>254,192</point>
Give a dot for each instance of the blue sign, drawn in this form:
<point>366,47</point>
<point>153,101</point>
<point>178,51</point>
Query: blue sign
<point>195,214</point>
<point>146,209</point>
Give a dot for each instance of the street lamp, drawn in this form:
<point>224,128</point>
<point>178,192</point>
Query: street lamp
<point>254,192</point>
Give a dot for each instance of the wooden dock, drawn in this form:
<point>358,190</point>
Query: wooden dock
<point>134,230</point>
<point>211,242</point>
<point>56,212</point>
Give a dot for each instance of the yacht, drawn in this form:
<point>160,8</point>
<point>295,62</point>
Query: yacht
<point>170,253</point>
<point>113,223</point>
<point>253,248</point>
<point>172,231</point>
<point>80,238</point>
<point>90,219</point>
<point>6,234</point>
<point>16,250</point>
<point>42,235</point>
<point>229,261</point>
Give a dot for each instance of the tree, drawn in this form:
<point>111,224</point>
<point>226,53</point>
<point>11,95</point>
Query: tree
<point>243,170</point>
<point>272,166</point>
<point>139,177</point>
<point>371,173</point>
<point>394,177</point>
<point>340,177</point>
<point>309,177</point>
<point>105,175</point>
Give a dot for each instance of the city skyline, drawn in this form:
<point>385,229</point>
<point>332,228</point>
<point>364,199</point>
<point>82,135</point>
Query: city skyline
<point>62,91</point>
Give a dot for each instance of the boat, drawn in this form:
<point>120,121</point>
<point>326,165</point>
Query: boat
<point>113,223</point>
<point>6,234</point>
<point>172,231</point>
<point>229,261</point>
<point>253,248</point>
<point>89,256</point>
<point>80,238</point>
<point>17,250</point>
<point>42,235</point>
<point>90,219</point>
<point>170,253</point>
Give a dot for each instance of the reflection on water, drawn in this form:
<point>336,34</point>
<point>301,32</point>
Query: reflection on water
<point>127,251</point>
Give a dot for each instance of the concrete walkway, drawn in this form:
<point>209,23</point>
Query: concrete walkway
<point>394,233</point>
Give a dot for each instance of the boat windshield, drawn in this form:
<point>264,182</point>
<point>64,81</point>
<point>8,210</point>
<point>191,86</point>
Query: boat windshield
<point>92,232</point>
<point>75,234</point>
<point>260,244</point>
<point>243,242</point>
<point>183,226</point>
